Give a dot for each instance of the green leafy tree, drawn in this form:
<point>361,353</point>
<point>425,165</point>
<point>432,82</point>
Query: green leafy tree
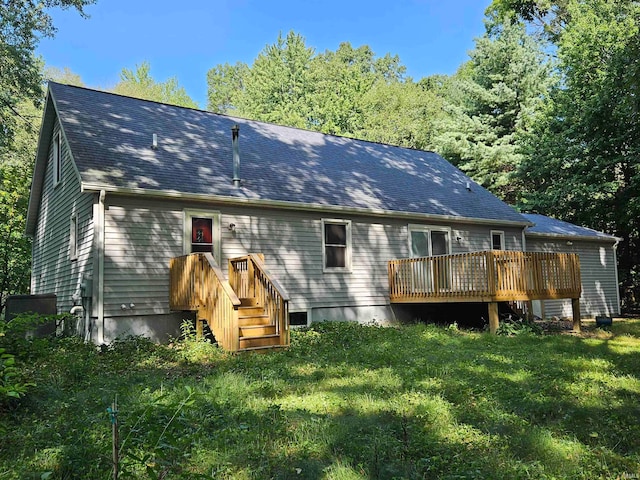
<point>289,84</point>
<point>225,83</point>
<point>340,83</point>
<point>16,166</point>
<point>139,83</point>
<point>22,24</point>
<point>583,157</point>
<point>276,87</point>
<point>401,113</point>
<point>64,75</point>
<point>490,102</point>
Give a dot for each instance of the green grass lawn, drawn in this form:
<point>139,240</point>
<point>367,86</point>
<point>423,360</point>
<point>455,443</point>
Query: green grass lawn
<point>344,402</point>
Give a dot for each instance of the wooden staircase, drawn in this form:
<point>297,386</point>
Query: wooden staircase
<point>248,312</point>
<point>257,331</point>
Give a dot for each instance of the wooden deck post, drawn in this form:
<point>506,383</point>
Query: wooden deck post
<point>575,306</point>
<point>494,320</point>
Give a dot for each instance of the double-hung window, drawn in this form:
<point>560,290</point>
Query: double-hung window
<point>336,245</point>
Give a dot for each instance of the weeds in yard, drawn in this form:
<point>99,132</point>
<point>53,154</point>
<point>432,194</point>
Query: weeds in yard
<point>343,402</point>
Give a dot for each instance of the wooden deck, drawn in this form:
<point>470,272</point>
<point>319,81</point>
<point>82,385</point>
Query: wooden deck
<point>488,276</point>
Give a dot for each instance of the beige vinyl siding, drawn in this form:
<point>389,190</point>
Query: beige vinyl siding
<point>142,235</point>
<point>292,244</point>
<point>598,272</point>
<point>138,243</point>
<point>52,269</point>
<point>476,238</point>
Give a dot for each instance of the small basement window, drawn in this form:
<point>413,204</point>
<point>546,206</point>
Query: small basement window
<point>298,319</point>
<point>336,244</point>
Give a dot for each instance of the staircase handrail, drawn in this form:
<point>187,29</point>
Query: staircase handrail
<point>258,262</point>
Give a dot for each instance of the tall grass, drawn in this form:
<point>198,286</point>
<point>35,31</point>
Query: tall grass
<point>343,402</point>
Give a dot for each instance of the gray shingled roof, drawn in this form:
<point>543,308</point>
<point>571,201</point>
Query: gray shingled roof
<point>111,135</point>
<point>544,225</point>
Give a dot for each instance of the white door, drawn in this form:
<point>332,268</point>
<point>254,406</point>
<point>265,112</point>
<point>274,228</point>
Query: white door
<point>427,241</point>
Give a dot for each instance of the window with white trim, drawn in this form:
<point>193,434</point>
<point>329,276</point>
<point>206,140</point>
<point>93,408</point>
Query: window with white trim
<point>336,245</point>
<point>57,159</point>
<point>73,238</point>
<point>497,240</point>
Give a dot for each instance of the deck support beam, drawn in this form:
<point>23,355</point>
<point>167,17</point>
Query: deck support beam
<point>494,320</point>
<point>575,307</point>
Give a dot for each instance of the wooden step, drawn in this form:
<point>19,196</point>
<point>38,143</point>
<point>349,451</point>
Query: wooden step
<point>265,349</point>
<point>248,302</point>
<point>251,320</point>
<point>261,341</point>
<point>257,330</point>
<point>247,311</point>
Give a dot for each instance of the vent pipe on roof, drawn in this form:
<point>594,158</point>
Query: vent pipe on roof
<point>235,132</point>
<point>154,143</point>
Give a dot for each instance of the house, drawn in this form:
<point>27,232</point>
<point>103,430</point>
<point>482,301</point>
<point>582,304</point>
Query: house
<point>123,187</point>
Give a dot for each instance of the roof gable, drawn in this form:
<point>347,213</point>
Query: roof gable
<point>110,137</point>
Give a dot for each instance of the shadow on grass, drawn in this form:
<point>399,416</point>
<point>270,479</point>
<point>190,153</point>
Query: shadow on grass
<point>343,402</point>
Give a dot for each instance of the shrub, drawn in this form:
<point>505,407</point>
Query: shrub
<point>510,326</point>
<point>11,386</point>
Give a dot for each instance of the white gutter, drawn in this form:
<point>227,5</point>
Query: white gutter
<point>567,236</point>
<point>311,207</point>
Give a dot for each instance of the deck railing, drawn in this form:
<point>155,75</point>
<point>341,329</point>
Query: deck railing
<point>250,278</point>
<point>489,276</point>
<point>197,284</point>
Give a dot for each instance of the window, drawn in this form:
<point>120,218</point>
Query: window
<point>497,240</point>
<point>73,238</point>
<point>426,241</point>
<point>202,232</point>
<point>57,160</point>
<point>336,244</point>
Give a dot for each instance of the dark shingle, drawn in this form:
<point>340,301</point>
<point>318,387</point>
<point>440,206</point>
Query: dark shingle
<point>110,137</point>
<point>544,225</point>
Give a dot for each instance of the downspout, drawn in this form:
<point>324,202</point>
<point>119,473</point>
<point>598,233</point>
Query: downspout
<point>615,269</point>
<point>100,253</point>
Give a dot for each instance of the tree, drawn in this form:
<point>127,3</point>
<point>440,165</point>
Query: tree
<point>64,75</point>
<point>490,101</point>
<point>583,155</point>
<point>340,82</point>
<point>16,166</point>
<point>289,84</point>
<point>401,113</point>
<point>22,24</point>
<point>140,84</point>
<point>276,87</point>
<point>225,83</point>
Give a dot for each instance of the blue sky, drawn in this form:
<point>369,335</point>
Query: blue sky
<point>185,39</point>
